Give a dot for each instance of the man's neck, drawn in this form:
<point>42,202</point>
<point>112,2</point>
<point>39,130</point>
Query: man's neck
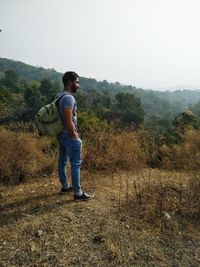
<point>68,89</point>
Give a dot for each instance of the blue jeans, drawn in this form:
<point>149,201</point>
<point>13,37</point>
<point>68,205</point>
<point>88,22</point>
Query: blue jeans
<point>70,149</point>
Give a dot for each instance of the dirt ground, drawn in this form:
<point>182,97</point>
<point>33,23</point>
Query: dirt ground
<point>40,227</point>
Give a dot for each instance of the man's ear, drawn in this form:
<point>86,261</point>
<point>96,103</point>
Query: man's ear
<point>70,83</point>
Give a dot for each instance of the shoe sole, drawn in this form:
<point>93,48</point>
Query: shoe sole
<point>86,199</point>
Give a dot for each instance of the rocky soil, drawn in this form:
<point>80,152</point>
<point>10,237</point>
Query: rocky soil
<point>40,227</point>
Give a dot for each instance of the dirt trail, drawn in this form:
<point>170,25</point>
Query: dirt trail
<point>39,227</point>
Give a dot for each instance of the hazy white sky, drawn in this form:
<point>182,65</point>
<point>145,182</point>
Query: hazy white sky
<point>145,43</point>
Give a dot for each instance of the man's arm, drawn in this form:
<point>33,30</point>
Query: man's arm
<point>69,124</point>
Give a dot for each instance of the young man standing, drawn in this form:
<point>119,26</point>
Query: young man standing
<point>70,144</point>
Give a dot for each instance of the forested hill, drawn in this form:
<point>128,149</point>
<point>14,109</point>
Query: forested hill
<point>154,103</point>
<point>28,72</point>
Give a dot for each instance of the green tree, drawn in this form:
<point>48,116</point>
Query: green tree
<point>128,109</point>
<point>49,89</point>
<point>196,109</point>
<point>180,125</point>
<point>34,101</point>
<point>5,94</point>
<point>90,123</point>
<point>99,102</point>
<point>11,80</point>
<point>33,97</point>
<point>82,101</point>
<point>54,90</point>
<point>5,102</point>
<point>184,120</point>
<point>45,87</point>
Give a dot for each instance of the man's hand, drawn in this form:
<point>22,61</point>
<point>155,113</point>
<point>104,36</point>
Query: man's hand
<point>74,135</point>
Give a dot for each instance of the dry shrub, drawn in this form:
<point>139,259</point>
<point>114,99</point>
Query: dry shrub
<point>185,155</point>
<point>164,198</point>
<point>193,193</point>
<point>21,127</point>
<point>108,150</point>
<point>22,155</point>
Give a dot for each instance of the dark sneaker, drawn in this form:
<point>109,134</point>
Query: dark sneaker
<point>66,190</point>
<point>83,197</point>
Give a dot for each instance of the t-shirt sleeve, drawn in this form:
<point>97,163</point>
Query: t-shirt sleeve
<point>68,102</point>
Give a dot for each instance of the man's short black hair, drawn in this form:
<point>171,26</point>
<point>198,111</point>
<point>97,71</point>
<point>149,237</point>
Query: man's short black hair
<point>69,76</point>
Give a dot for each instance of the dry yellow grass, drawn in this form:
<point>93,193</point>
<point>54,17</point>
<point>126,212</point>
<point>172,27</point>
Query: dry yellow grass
<point>185,156</point>
<point>158,193</point>
<point>111,150</point>
<point>22,155</point>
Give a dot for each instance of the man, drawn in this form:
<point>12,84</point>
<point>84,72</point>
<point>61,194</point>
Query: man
<point>70,144</point>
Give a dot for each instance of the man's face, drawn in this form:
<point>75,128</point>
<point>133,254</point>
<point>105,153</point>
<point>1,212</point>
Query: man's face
<point>75,85</point>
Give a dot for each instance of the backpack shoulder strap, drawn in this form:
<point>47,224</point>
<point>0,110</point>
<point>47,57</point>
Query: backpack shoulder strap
<point>57,98</point>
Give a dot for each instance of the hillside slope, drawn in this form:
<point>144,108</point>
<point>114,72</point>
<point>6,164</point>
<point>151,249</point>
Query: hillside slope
<point>39,227</point>
<point>155,103</point>
<point>29,72</point>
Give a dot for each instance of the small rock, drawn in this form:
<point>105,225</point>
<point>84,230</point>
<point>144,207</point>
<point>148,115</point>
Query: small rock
<point>33,248</point>
<point>39,233</point>
<point>127,226</point>
<point>166,215</point>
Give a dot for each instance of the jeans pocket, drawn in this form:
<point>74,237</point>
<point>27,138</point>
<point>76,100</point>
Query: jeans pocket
<point>76,142</point>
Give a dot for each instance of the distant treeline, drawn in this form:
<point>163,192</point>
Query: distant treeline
<point>25,88</point>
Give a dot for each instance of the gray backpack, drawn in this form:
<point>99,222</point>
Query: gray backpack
<point>48,120</point>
